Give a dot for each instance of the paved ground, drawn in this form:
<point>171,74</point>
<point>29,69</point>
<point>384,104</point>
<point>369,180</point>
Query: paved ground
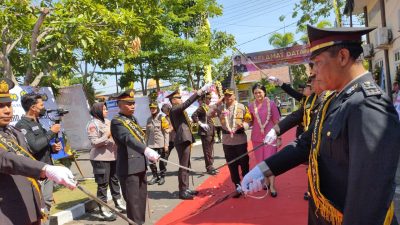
<point>162,199</point>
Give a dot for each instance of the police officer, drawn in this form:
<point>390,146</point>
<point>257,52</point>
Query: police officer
<point>131,156</point>
<point>183,137</point>
<point>20,195</point>
<point>354,140</point>
<point>38,138</point>
<point>235,118</point>
<point>206,131</point>
<point>157,138</point>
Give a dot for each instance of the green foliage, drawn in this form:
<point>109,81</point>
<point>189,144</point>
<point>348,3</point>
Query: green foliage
<point>279,40</point>
<point>377,73</point>
<point>312,11</point>
<point>52,40</point>
<point>299,74</point>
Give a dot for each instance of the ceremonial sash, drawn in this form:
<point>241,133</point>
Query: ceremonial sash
<point>307,111</point>
<point>8,144</point>
<point>325,208</point>
<point>133,128</point>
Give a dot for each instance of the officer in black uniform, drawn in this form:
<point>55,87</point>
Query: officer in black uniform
<point>20,196</point>
<point>38,138</point>
<point>354,140</point>
<point>131,156</point>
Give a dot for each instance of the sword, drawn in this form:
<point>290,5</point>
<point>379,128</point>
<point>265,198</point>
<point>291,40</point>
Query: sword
<point>86,192</point>
<point>182,167</point>
<point>239,157</point>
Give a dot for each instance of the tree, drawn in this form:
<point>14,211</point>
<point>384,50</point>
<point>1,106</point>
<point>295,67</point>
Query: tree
<point>312,11</point>
<point>279,40</point>
<point>62,34</point>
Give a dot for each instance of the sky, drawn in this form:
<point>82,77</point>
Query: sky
<point>250,21</point>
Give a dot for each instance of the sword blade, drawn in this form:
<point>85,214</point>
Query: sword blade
<point>182,167</point>
<point>240,156</point>
<point>86,192</point>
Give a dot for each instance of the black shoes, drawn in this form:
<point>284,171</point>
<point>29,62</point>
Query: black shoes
<point>307,196</point>
<point>161,181</point>
<point>237,194</point>
<point>120,205</point>
<point>274,194</point>
<point>185,195</point>
<point>153,181</point>
<point>192,192</point>
<point>212,171</point>
<point>107,215</point>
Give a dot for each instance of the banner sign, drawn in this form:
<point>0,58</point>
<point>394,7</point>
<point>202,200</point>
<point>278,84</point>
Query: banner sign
<point>142,111</point>
<point>74,100</point>
<point>298,54</point>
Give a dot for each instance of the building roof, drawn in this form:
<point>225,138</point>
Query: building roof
<point>281,73</point>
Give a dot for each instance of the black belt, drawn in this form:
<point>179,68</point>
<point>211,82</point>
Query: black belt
<point>240,131</point>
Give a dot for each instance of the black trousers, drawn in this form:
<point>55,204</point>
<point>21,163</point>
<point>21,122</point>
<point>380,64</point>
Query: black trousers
<point>218,131</point>
<point>162,165</point>
<point>134,190</point>
<point>183,151</point>
<point>207,143</point>
<point>231,152</point>
<point>104,176</point>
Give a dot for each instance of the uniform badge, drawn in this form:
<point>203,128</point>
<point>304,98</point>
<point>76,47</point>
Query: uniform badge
<point>35,128</point>
<point>23,131</point>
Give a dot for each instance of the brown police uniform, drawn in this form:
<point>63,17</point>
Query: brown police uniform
<point>207,136</point>
<point>183,138</point>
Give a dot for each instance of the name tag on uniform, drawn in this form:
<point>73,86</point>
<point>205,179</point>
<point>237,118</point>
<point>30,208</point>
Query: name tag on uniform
<point>35,128</point>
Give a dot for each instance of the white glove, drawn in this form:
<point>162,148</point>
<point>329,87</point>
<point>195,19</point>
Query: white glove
<point>206,87</point>
<point>275,80</point>
<point>270,137</point>
<point>60,175</point>
<point>151,154</point>
<point>253,181</point>
<point>204,126</point>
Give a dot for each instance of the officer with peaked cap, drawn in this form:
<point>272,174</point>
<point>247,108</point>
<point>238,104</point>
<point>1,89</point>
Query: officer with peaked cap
<point>131,156</point>
<point>183,137</point>
<point>157,138</point>
<point>235,118</point>
<point>206,131</point>
<point>354,139</point>
<point>20,196</point>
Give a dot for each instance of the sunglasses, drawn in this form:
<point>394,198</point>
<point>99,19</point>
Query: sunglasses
<point>208,98</point>
<point>178,97</point>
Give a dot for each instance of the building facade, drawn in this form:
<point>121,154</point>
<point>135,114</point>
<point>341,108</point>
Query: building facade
<point>384,49</point>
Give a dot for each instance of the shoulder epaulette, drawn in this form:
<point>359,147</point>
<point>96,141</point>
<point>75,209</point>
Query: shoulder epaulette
<point>370,88</point>
<point>352,89</point>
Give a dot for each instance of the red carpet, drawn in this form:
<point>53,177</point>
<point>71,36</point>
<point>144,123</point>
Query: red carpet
<point>288,208</point>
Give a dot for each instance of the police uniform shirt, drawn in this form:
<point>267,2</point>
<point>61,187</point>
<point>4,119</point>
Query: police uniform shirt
<point>37,138</point>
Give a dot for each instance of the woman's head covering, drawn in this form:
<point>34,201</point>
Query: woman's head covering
<point>97,110</point>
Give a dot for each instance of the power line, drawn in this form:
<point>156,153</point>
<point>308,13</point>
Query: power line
<point>249,12</point>
<point>253,16</point>
<point>265,35</point>
<point>248,7</point>
<point>239,4</point>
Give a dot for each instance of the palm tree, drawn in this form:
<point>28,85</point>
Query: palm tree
<point>281,40</point>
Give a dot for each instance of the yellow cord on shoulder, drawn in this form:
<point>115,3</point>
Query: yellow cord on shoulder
<point>322,204</point>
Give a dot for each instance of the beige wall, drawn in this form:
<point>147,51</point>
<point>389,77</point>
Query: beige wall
<point>392,8</point>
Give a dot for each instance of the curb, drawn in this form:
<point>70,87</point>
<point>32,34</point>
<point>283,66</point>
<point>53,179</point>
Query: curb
<point>72,213</point>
